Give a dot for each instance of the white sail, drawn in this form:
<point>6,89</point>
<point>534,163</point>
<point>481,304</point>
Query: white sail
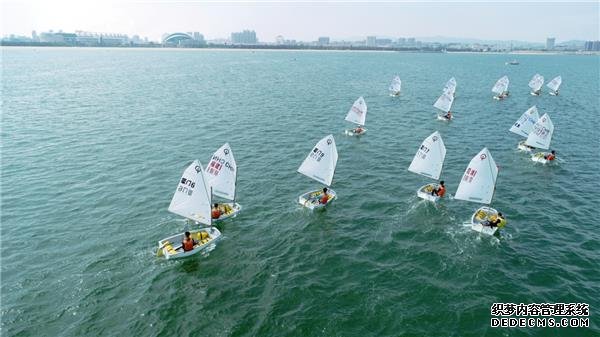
<point>450,86</point>
<point>429,159</point>
<point>396,85</point>
<point>358,112</point>
<point>479,180</point>
<point>221,172</point>
<point>444,102</point>
<point>524,125</point>
<point>555,83</point>
<point>541,135</point>
<point>501,85</point>
<point>192,196</point>
<point>536,82</point>
<point>321,161</point>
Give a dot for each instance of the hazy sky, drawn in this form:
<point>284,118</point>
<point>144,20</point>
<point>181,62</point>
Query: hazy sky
<point>303,20</point>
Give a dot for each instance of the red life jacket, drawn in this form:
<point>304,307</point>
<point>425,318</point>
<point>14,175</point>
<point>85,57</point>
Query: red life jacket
<point>441,191</point>
<point>187,245</point>
<point>216,213</point>
<point>324,199</point>
<point>550,157</point>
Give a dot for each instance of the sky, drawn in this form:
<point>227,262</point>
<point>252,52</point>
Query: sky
<point>532,21</point>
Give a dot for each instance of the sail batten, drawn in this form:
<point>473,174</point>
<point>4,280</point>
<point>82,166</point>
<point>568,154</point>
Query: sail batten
<point>321,161</point>
<point>358,112</point>
<point>429,159</point>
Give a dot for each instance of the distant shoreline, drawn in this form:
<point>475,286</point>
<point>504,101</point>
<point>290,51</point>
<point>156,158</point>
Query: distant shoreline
<point>298,48</point>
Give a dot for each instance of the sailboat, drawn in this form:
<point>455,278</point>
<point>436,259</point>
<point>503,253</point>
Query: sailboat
<point>428,162</point>
<point>357,115</point>
<point>540,137</point>
<point>320,166</point>
<point>395,87</point>
<point>554,85</point>
<point>524,125</point>
<point>222,175</point>
<point>444,103</point>
<point>478,185</point>
<point>501,88</point>
<point>536,84</point>
<point>451,87</point>
<point>192,200</point>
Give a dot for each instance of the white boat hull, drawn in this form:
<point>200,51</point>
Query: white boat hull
<point>522,147</point>
<point>425,192</point>
<point>534,93</point>
<point>228,210</point>
<point>442,118</point>
<point>171,246</point>
<point>350,132</point>
<point>553,93</point>
<point>482,214</point>
<point>539,158</point>
<point>311,199</point>
<point>394,94</point>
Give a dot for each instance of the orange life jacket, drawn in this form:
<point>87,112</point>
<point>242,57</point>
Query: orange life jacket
<point>550,157</point>
<point>187,245</point>
<point>441,191</point>
<point>324,199</point>
<point>216,213</point>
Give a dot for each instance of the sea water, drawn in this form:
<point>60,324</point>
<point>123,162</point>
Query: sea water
<point>95,140</point>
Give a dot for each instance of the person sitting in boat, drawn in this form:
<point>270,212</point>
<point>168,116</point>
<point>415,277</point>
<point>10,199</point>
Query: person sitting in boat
<point>359,130</point>
<point>188,243</point>
<point>440,191</point>
<point>448,115</point>
<point>495,222</point>
<point>216,212</point>
<point>550,156</point>
<point>325,198</point>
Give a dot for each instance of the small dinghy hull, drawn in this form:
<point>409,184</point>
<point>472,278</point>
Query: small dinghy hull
<point>311,199</point>
<point>228,210</point>
<point>171,246</point>
<point>534,93</point>
<point>425,192</point>
<point>522,147</point>
<point>442,118</point>
<point>539,158</point>
<point>484,214</point>
<point>350,132</point>
<point>553,93</point>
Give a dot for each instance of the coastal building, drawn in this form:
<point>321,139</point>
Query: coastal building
<point>371,41</point>
<point>383,42</point>
<point>244,37</point>
<point>323,41</point>
<point>185,40</point>
<point>592,46</point>
<point>410,42</point>
<point>550,43</point>
<point>401,41</point>
<point>58,38</point>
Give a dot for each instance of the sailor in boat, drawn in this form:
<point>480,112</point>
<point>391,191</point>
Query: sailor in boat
<point>492,222</point>
<point>550,156</point>
<point>503,95</point>
<point>440,191</point>
<point>215,212</point>
<point>325,198</point>
<point>188,243</point>
<point>537,92</point>
<point>358,130</point>
<point>448,115</point>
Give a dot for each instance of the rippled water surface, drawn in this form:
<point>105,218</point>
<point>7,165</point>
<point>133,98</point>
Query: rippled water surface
<point>94,141</point>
